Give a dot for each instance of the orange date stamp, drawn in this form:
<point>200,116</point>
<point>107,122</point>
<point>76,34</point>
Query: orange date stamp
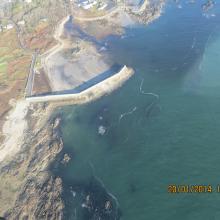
<point>193,188</point>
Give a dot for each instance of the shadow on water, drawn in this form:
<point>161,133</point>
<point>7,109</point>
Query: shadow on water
<point>73,30</point>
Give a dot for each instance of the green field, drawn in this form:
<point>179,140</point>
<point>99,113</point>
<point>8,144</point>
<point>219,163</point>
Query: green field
<point>3,67</point>
<point>14,62</point>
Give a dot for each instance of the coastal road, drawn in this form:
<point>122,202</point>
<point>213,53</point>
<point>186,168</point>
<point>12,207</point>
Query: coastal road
<point>30,80</point>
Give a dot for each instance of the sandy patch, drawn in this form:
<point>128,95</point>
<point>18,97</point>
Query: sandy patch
<point>69,72</point>
<point>13,130</point>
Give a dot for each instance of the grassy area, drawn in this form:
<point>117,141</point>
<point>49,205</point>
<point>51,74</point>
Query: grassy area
<point>38,64</point>
<point>16,8</point>
<point>3,67</point>
<point>14,63</point>
<point>37,34</point>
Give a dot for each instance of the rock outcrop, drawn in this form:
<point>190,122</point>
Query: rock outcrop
<point>39,194</point>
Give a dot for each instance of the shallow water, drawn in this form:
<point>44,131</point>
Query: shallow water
<point>162,127</point>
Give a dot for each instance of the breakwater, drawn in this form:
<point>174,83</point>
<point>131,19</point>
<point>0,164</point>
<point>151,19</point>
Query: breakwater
<point>102,88</point>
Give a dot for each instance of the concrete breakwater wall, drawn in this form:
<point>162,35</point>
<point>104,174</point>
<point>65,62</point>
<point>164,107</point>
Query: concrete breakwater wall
<point>102,88</point>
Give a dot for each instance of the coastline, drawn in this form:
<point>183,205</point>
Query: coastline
<point>32,150</point>
<point>40,192</point>
<point>36,145</point>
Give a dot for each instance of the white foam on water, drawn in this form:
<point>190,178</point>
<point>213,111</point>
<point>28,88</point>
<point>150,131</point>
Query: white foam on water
<point>127,113</point>
<point>193,43</point>
<point>147,93</point>
<point>101,130</point>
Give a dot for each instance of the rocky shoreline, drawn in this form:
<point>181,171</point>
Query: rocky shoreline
<point>39,192</point>
<point>150,12</point>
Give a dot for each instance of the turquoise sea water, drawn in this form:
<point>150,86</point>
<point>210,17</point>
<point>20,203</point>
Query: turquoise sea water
<point>151,140</point>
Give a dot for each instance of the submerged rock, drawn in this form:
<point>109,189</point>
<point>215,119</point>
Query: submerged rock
<point>108,205</point>
<point>101,130</point>
<point>208,5</point>
<point>66,159</point>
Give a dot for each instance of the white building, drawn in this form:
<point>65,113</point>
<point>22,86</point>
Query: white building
<point>9,26</point>
<point>21,22</point>
<point>88,4</point>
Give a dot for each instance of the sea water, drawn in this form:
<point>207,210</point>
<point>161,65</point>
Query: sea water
<point>161,128</point>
